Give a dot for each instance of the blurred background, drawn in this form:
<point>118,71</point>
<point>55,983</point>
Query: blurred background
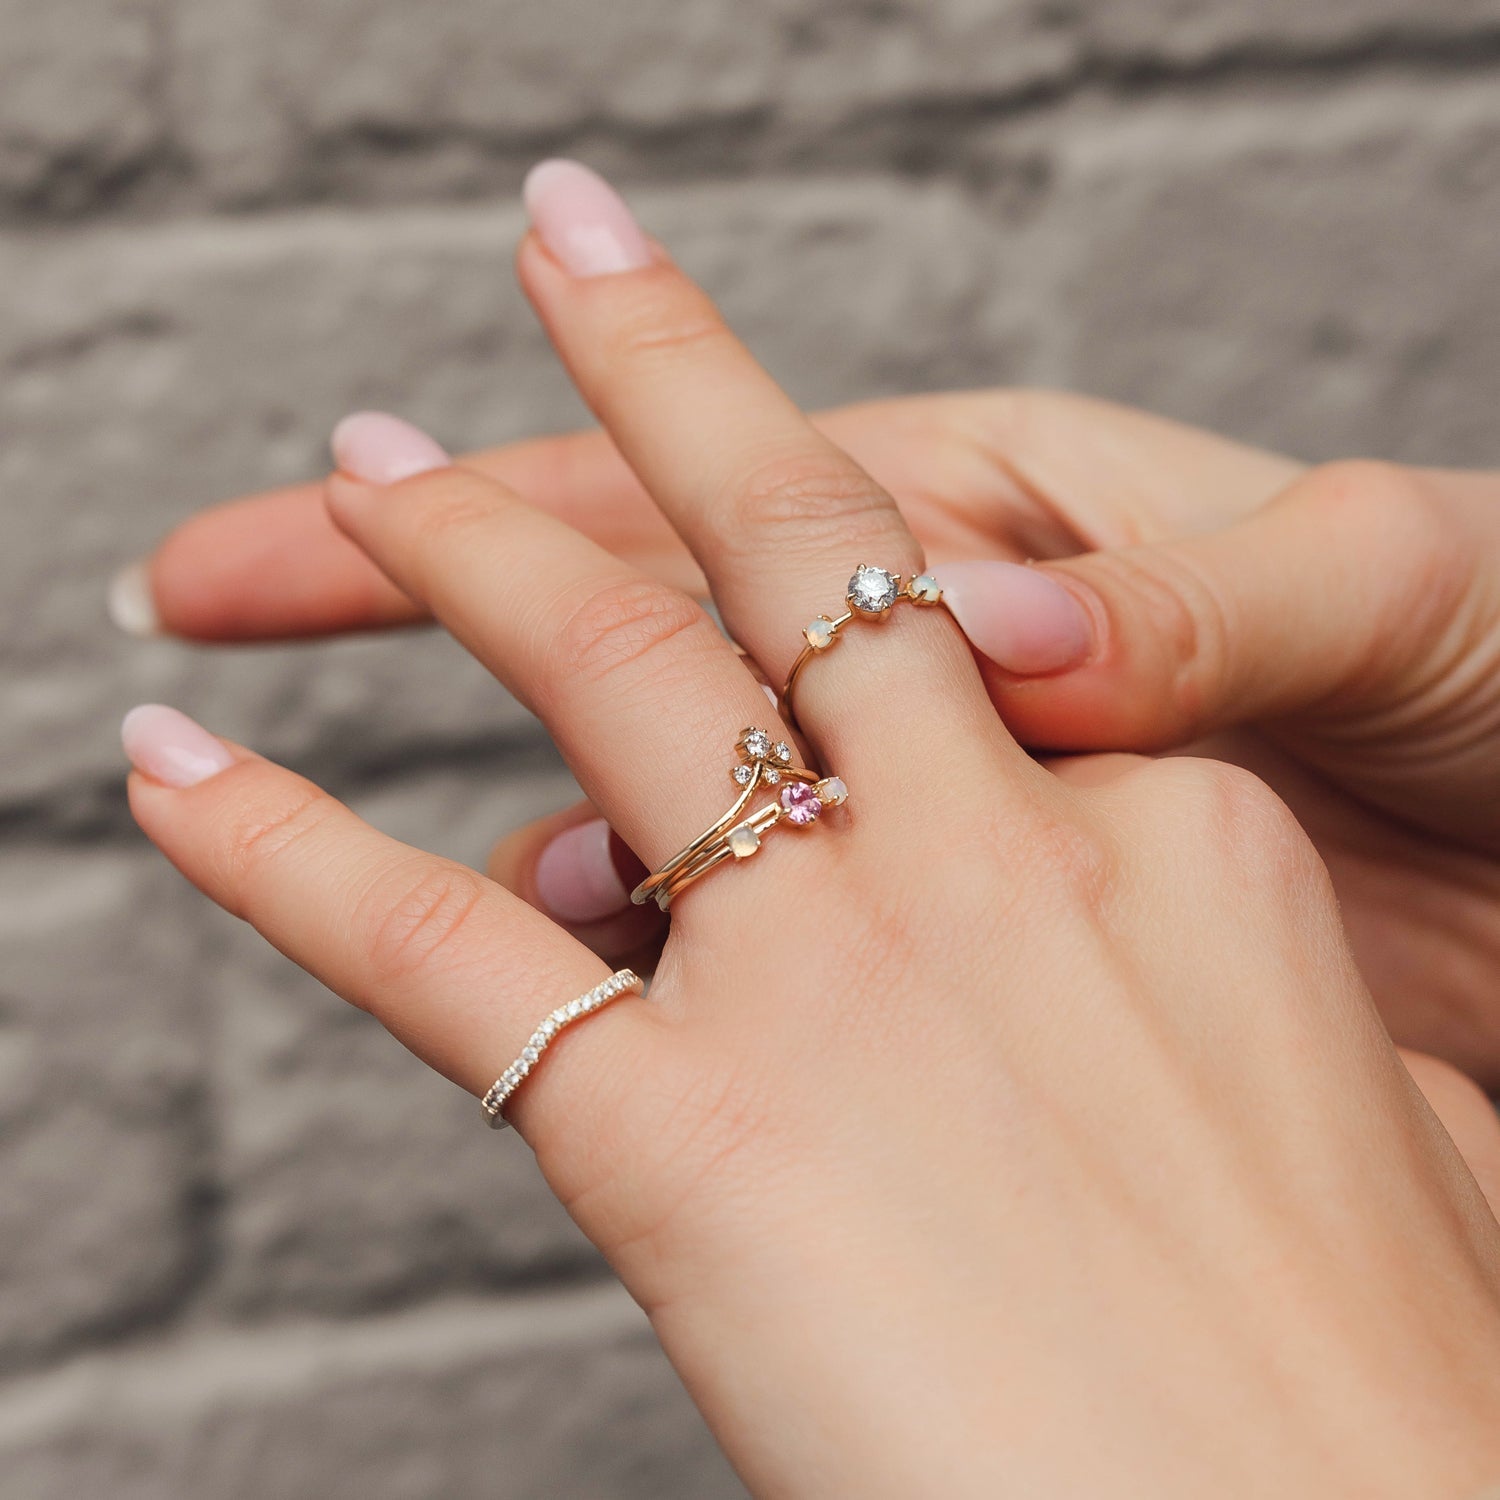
<point>248,1247</point>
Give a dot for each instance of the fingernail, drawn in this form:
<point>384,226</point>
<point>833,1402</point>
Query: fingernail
<point>130,602</point>
<point>381,449</point>
<point>1020,618</point>
<point>576,877</point>
<point>170,748</point>
<point>583,221</point>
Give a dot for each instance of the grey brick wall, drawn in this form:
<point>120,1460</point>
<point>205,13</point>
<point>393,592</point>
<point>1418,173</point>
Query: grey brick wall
<point>222,1273</point>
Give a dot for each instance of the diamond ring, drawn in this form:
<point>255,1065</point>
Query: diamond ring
<point>737,835</point>
<point>622,982</point>
<point>872,594</point>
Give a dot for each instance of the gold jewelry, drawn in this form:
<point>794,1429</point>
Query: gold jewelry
<point>871,595</point>
<point>801,801</point>
<point>623,982</point>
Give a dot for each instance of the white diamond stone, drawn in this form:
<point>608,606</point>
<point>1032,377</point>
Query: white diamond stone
<point>742,774</point>
<point>757,744</point>
<point>530,1054</point>
<point>575,1007</point>
<point>819,633</point>
<point>772,776</point>
<point>872,591</point>
<point>782,752</point>
<point>925,589</point>
<point>832,791</point>
<point>743,841</point>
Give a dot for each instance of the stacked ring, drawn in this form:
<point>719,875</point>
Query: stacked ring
<point>762,763</point>
<point>871,595</point>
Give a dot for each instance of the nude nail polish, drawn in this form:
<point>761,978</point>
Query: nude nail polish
<point>576,878</point>
<point>381,449</point>
<point>1020,618</point>
<point>170,748</point>
<point>583,221</point>
<point>131,604</point>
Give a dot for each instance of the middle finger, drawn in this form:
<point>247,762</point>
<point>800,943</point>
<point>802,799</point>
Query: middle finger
<point>776,515</point>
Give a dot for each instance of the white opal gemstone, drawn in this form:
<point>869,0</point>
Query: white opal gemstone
<point>743,841</point>
<point>925,589</point>
<point>872,591</point>
<point>819,633</point>
<point>833,791</point>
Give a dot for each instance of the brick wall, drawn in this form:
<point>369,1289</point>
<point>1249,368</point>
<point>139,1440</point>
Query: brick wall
<point>224,1273</point>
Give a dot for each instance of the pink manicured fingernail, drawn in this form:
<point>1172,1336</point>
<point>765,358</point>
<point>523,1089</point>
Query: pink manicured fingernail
<point>576,877</point>
<point>1020,618</point>
<point>382,449</point>
<point>583,221</point>
<point>169,747</point>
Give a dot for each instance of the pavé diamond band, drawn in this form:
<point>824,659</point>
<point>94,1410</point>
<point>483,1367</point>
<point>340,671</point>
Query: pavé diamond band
<point>871,595</point>
<point>623,982</point>
<point>737,835</point>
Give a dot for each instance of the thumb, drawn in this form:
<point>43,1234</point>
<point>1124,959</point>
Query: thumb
<point>1356,592</point>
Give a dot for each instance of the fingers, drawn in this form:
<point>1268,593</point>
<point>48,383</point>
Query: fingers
<point>1350,591</point>
<point>456,968</point>
<point>776,515</point>
<point>275,566</point>
<point>571,866</point>
<point>633,679</point>
<point>1467,1114</point>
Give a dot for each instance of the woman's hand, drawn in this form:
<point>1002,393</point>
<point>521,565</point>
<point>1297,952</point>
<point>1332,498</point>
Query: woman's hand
<point>1002,1135</point>
<point>1335,629</point>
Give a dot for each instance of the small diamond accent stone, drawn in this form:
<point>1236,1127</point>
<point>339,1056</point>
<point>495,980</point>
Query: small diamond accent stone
<point>872,591</point>
<point>772,776</point>
<point>782,752</point>
<point>756,744</point>
<point>819,633</point>
<point>925,589</point>
<point>530,1054</point>
<point>801,804</point>
<point>743,841</point>
<point>742,774</point>
<point>833,791</point>
<point>575,1007</point>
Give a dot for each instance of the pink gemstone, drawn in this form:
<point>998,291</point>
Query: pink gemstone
<point>800,802</point>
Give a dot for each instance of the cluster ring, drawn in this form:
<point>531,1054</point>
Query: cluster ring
<point>737,835</point>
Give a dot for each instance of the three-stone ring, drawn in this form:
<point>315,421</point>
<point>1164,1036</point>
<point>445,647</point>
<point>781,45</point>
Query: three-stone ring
<point>871,595</point>
<point>737,835</point>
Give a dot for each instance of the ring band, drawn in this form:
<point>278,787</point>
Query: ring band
<point>622,982</point>
<point>871,595</point>
<point>735,836</point>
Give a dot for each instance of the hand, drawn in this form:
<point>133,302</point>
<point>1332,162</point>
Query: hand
<point>1342,657</point>
<point>1004,1135</point>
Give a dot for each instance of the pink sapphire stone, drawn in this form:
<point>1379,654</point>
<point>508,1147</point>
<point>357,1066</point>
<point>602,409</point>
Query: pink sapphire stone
<point>801,803</point>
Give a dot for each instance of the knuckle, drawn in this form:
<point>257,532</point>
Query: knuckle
<point>807,501</point>
<point>267,834</point>
<point>664,323</point>
<point>1229,811</point>
<point>410,919</point>
<point>447,511</point>
<point>1175,605</point>
<point>620,624</point>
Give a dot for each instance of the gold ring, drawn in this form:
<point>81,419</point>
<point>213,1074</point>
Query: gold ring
<point>803,796</point>
<point>872,594</point>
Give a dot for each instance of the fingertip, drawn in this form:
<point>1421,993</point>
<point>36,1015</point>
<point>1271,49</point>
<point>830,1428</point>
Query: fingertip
<point>1021,618</point>
<point>171,749</point>
<point>382,449</point>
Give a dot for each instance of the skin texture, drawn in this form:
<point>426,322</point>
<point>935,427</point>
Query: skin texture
<point>1333,629</point>
<point>1004,1134</point>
